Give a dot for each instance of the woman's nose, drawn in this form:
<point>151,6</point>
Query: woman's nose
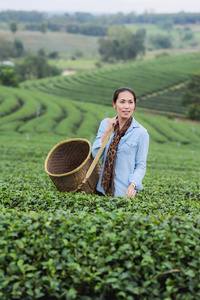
<point>126,104</point>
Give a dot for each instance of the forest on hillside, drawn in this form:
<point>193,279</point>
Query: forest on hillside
<point>92,24</point>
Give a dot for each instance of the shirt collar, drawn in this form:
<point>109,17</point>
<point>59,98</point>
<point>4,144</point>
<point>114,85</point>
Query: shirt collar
<point>134,123</point>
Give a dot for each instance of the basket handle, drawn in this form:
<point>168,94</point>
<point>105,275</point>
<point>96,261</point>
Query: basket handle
<point>93,164</point>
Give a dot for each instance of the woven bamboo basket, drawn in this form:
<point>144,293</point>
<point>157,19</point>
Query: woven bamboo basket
<point>67,165</point>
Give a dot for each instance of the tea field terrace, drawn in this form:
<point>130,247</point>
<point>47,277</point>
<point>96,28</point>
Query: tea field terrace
<point>148,78</point>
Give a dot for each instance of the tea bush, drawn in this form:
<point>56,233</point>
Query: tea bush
<point>76,246</point>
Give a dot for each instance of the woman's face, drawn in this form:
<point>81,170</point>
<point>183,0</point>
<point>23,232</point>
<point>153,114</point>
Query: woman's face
<point>125,105</point>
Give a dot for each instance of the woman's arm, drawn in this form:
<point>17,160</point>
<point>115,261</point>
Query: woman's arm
<point>140,161</point>
<point>104,129</point>
<point>111,124</point>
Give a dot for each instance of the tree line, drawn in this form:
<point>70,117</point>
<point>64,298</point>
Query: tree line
<point>89,24</point>
<point>106,19</point>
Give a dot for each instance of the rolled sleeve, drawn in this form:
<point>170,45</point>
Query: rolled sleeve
<point>140,161</point>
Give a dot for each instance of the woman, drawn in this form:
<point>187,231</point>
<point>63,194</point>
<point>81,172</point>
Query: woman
<point>124,157</point>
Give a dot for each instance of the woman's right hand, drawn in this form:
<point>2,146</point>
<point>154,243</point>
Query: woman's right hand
<point>110,126</point>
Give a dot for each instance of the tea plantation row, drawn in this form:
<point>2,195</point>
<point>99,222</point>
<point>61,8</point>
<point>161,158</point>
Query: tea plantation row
<point>30,113</point>
<point>146,77</point>
<point>75,246</point>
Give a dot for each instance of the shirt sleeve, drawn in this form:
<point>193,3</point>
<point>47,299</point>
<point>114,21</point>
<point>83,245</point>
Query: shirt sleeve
<point>98,142</point>
<point>140,161</point>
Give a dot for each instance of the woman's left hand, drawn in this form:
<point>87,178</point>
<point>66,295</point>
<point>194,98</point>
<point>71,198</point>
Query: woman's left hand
<point>130,191</point>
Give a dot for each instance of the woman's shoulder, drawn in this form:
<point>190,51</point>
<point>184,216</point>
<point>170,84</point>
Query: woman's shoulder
<point>140,127</point>
<point>104,122</point>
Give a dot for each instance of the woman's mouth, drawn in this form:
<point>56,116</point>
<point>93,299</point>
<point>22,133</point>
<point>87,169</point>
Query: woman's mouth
<point>126,112</point>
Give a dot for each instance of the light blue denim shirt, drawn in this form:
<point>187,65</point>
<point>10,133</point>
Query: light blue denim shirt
<point>131,157</point>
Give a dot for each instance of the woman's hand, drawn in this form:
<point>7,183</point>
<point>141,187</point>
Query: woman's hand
<point>130,191</point>
<point>111,124</point>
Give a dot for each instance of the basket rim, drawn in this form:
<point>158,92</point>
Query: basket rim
<point>64,142</point>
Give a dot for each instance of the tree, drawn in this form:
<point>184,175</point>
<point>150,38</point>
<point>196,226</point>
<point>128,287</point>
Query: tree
<point>43,28</point>
<point>108,49</point>
<point>126,47</point>
<point>166,25</point>
<point>132,46</point>
<point>13,27</point>
<point>8,77</point>
<point>188,36</point>
<point>191,97</point>
<point>160,41</point>
<point>18,48</point>
<point>6,49</point>
<point>53,55</point>
<point>35,67</point>
<point>41,52</point>
<point>118,31</point>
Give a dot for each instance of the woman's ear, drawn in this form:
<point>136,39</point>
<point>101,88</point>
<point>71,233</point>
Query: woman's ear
<point>113,104</point>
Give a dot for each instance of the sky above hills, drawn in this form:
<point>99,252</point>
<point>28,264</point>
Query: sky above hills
<point>103,6</point>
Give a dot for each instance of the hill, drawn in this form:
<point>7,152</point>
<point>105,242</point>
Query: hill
<point>74,105</point>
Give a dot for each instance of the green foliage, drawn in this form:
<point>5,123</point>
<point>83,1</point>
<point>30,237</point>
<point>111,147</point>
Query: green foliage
<point>18,48</point>
<point>160,42</point>
<point>105,262</point>
<point>77,246</point>
<point>117,31</point>
<point>33,27</point>
<point>108,19</point>
<point>6,49</point>
<point>8,77</point>
<point>87,29</point>
<point>21,16</point>
<point>43,27</point>
<point>188,36</point>
<point>126,47</point>
<point>191,97</point>
<point>35,66</point>
<point>41,52</point>
<point>193,112</point>
<point>53,55</point>
<point>166,25</point>
<point>13,27</point>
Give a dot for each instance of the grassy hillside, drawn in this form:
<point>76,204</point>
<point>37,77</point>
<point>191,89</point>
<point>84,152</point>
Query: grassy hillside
<point>67,44</point>
<point>62,42</point>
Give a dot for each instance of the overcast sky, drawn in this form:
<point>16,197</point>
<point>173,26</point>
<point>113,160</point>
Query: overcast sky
<point>103,6</point>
